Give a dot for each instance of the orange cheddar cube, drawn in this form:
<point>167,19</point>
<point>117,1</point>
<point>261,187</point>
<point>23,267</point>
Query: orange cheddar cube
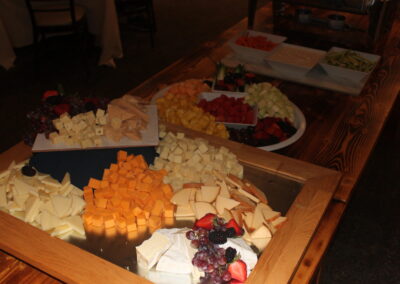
<point>94,183</point>
<point>158,208</point>
<point>115,201</point>
<point>114,186</point>
<point>104,184</point>
<point>113,167</point>
<point>130,157</point>
<point>137,211</point>
<point>154,221</point>
<point>147,179</point>
<point>113,177</point>
<point>97,220</point>
<point>122,156</point>
<point>141,220</point>
<point>122,171</point>
<point>167,190</point>
<point>109,221</point>
<point>169,210</point>
<point>120,222</point>
<point>87,218</point>
<point>127,166</point>
<point>101,202</point>
<point>132,183</point>
<point>131,225</point>
<point>125,204</point>
<point>106,174</point>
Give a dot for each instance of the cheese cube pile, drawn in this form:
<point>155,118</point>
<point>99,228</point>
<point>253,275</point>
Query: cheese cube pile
<point>128,196</point>
<point>192,160</point>
<point>84,129</point>
<point>43,201</point>
<point>126,117</point>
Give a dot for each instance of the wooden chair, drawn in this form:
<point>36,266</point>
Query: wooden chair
<point>57,17</point>
<point>138,15</point>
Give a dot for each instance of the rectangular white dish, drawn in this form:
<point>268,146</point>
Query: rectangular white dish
<point>149,138</point>
<point>347,73</point>
<point>255,54</point>
<point>290,58</point>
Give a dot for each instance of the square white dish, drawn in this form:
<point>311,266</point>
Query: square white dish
<point>347,73</point>
<point>294,58</point>
<point>251,53</point>
<point>211,96</point>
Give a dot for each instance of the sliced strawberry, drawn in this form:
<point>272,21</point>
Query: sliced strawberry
<point>206,222</point>
<point>238,270</point>
<point>61,108</point>
<point>232,224</point>
<point>49,93</point>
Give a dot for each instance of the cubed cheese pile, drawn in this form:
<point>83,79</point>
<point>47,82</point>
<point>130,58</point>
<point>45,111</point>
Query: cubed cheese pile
<point>126,117</point>
<point>192,160</point>
<point>84,129</point>
<point>230,197</point>
<point>43,201</point>
<point>178,106</point>
<point>129,195</point>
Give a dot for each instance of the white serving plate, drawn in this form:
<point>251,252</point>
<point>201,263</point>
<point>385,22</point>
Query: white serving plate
<point>346,73</point>
<point>214,95</point>
<point>294,59</point>
<point>299,123</point>
<point>149,138</point>
<point>254,54</point>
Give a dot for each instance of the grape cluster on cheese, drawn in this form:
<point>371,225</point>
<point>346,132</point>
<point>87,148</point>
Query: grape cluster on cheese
<point>42,201</point>
<point>192,160</point>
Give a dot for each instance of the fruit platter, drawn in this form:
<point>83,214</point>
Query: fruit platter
<point>68,122</point>
<point>194,196</point>
<point>230,114</point>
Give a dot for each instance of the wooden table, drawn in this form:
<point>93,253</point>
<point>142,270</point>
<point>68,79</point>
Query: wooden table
<point>341,133</point>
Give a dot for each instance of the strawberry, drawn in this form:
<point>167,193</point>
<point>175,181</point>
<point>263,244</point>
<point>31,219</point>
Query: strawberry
<point>61,108</point>
<point>232,224</point>
<point>238,270</point>
<point>49,93</point>
<point>206,222</point>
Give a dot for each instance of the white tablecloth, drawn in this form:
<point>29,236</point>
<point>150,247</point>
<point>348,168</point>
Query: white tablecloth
<point>16,29</point>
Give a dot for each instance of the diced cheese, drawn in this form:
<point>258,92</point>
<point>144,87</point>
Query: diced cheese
<point>49,221</point>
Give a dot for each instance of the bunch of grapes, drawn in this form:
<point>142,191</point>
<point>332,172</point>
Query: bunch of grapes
<point>40,119</point>
<point>210,258</point>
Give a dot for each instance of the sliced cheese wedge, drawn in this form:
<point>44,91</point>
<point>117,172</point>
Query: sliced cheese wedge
<point>225,203</point>
<point>60,230</point>
<point>182,196</point>
<point>32,206</point>
<point>209,193</point>
<point>258,217</point>
<point>260,244</point>
<point>261,233</point>
<point>184,211</point>
<point>202,208</point>
<point>76,224</point>
<point>49,221</point>
<point>224,192</point>
<point>61,205</point>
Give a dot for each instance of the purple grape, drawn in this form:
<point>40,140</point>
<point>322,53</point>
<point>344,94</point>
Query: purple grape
<point>226,276</point>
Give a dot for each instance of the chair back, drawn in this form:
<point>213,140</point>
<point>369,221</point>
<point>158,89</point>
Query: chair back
<point>51,7</point>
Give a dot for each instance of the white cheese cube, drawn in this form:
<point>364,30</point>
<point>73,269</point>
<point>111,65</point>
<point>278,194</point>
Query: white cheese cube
<point>100,113</point>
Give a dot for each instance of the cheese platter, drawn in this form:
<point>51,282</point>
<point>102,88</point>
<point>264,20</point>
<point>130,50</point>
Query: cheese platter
<point>288,243</point>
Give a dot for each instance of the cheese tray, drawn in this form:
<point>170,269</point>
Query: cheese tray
<point>149,137</point>
<point>316,77</point>
<point>301,190</point>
